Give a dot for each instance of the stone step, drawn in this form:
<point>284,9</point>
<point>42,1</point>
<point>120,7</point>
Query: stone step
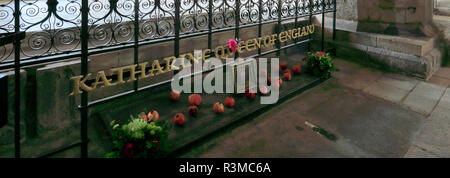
<point>442,11</point>
<point>412,55</point>
<point>442,7</point>
<point>346,31</point>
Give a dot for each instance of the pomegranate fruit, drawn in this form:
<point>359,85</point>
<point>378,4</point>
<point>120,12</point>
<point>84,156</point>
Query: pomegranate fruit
<point>174,95</point>
<point>179,119</point>
<point>153,116</point>
<point>219,108</point>
<point>283,65</point>
<point>250,93</point>
<point>297,69</point>
<point>287,76</point>
<point>195,99</point>
<point>229,102</point>
<point>193,110</point>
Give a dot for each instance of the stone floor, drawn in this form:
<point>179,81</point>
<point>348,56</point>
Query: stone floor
<point>372,114</point>
<point>441,78</point>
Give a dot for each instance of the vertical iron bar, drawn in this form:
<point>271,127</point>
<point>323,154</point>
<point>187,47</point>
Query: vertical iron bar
<point>210,21</point>
<point>334,27</point>
<point>3,100</point>
<point>177,29</point>
<point>296,19</point>
<point>311,5</point>
<point>323,25</point>
<point>279,28</point>
<point>136,39</point>
<point>237,21</point>
<point>17,49</point>
<point>296,13</point>
<point>260,24</point>
<point>84,70</point>
<point>334,20</point>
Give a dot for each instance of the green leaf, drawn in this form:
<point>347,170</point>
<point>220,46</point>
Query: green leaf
<point>148,145</point>
<point>112,155</point>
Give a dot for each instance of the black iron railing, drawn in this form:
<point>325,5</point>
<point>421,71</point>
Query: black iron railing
<point>63,29</point>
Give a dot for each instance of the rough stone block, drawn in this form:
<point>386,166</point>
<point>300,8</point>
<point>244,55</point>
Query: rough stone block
<point>347,10</point>
<point>398,61</point>
<point>402,45</point>
<point>357,37</point>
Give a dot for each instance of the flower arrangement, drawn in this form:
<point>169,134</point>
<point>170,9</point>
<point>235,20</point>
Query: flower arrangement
<point>232,44</point>
<point>319,64</point>
<point>140,137</point>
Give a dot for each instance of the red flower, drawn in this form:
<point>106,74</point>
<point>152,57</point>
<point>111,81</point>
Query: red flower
<point>321,54</point>
<point>232,44</point>
<point>128,150</point>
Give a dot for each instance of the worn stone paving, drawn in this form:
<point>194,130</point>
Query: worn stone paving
<point>372,114</point>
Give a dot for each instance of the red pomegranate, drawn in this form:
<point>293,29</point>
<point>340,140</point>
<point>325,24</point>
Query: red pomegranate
<point>143,116</point>
<point>195,99</point>
<point>153,116</point>
<point>174,95</point>
<point>287,76</point>
<point>287,71</point>
<point>179,119</point>
<point>193,111</point>
<point>297,69</point>
<point>283,65</point>
<point>229,102</point>
<point>250,93</point>
<point>219,108</point>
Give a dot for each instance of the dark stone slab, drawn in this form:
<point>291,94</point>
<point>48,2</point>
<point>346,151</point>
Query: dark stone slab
<point>365,126</point>
<point>207,122</point>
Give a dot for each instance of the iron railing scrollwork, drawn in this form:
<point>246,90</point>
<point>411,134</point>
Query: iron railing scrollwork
<point>63,29</point>
<point>53,27</point>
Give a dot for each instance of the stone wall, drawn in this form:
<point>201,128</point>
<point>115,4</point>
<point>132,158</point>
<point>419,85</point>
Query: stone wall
<point>346,10</point>
<point>394,17</point>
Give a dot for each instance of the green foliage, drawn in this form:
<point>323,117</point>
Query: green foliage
<point>320,64</point>
<point>139,139</point>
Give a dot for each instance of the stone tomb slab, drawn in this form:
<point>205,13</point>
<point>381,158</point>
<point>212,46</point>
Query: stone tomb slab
<point>207,122</point>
